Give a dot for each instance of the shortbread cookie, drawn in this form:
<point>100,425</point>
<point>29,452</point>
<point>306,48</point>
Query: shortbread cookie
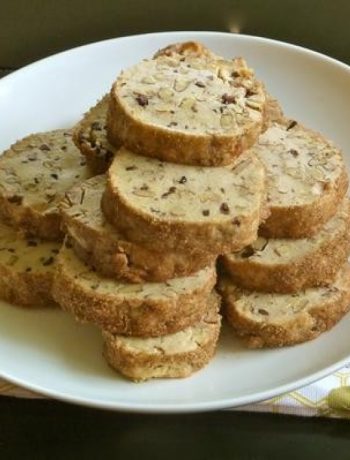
<point>90,137</point>
<point>90,134</point>
<point>306,180</point>
<point>148,309</point>
<point>26,268</point>
<point>34,175</point>
<point>285,265</point>
<point>168,206</point>
<point>188,109</point>
<point>276,320</point>
<point>176,355</point>
<point>102,246</point>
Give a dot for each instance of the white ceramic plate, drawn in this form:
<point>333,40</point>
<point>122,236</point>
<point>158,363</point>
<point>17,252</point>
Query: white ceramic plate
<point>45,350</point>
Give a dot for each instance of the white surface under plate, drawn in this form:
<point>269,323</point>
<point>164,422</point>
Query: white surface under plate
<point>45,350</point>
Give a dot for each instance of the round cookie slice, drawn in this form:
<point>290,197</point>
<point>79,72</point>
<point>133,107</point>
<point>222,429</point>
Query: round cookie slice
<point>102,246</point>
<point>26,268</point>
<point>277,320</point>
<point>90,137</point>
<point>34,175</point>
<point>175,355</point>
<point>306,180</point>
<point>286,265</point>
<point>90,134</point>
<point>148,309</point>
<point>187,108</point>
<point>168,206</point>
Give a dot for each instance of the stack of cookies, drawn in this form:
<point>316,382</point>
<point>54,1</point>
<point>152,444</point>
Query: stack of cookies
<point>35,173</point>
<point>180,188</point>
<point>293,282</point>
<point>187,160</point>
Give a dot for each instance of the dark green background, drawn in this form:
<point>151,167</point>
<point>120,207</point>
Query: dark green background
<point>32,29</point>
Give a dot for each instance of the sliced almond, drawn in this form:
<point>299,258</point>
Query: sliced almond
<point>148,80</point>
<point>312,162</point>
<point>322,161</point>
<point>188,103</point>
<point>183,70</point>
<point>224,74</point>
<point>317,188</point>
<point>30,186</point>
<point>165,94</point>
<point>11,180</point>
<point>329,167</point>
<point>260,244</point>
<point>283,190</point>
<point>12,260</point>
<point>240,118</point>
<point>226,121</point>
<point>317,174</point>
<point>181,85</point>
<point>159,77</point>
<point>205,197</point>
<point>172,62</point>
<point>301,305</point>
<point>242,165</point>
<point>254,104</point>
<point>284,250</point>
<point>293,172</point>
<point>143,193</point>
<point>130,288</point>
<point>198,65</point>
<point>50,164</point>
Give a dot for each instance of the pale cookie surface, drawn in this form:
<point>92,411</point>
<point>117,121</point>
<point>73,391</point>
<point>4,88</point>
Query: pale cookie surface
<point>190,109</point>
<point>90,137</point>
<point>286,265</point>
<point>26,268</point>
<point>172,356</point>
<point>106,249</point>
<point>276,320</point>
<point>147,309</point>
<point>164,205</point>
<point>306,179</point>
<point>34,175</point>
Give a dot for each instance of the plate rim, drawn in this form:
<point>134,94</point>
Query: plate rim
<point>183,408</point>
<point>166,408</point>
